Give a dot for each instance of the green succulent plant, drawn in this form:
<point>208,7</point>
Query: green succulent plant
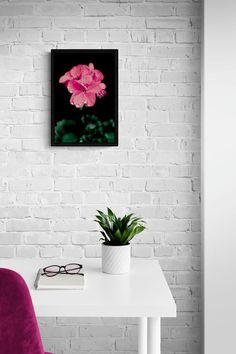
<point>118,231</point>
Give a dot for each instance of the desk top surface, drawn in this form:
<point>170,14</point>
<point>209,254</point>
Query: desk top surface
<point>142,292</point>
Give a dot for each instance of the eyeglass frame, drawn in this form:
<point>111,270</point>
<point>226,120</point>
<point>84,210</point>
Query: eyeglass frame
<point>53,274</point>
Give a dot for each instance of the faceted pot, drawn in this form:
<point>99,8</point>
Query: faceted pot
<point>115,259</point>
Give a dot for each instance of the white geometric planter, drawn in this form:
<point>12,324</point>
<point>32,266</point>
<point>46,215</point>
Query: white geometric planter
<point>115,259</point>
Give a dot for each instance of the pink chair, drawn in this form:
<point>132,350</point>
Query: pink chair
<point>19,332</point>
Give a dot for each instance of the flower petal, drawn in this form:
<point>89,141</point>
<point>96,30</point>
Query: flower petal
<point>78,99</point>
<point>86,79</point>
<point>90,99</point>
<point>96,87</point>
<point>102,85</point>
<point>84,70</point>
<point>76,71</point>
<point>64,78</point>
<point>101,93</point>
<point>98,75</point>
<point>74,85</point>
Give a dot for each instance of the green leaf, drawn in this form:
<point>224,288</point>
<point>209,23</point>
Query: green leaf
<point>90,126</point>
<point>105,236</point>
<point>110,137</point>
<point>69,138</point>
<point>119,231</point>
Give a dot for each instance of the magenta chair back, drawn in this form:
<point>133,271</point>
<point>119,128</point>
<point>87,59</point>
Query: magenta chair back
<point>19,332</point>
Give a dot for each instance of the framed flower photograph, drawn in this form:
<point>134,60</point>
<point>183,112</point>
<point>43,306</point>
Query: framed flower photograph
<point>84,97</point>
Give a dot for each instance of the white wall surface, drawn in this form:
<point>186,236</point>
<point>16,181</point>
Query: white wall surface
<point>220,176</point>
<point>49,196</point>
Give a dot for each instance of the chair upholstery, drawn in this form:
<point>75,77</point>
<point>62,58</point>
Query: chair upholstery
<point>19,332</point>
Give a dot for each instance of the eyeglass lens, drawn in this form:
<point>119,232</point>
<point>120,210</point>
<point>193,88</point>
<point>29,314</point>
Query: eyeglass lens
<point>72,268</point>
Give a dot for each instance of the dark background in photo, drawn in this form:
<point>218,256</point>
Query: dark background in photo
<point>105,108</point>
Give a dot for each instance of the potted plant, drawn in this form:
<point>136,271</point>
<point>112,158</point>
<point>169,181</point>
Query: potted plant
<point>117,234</point>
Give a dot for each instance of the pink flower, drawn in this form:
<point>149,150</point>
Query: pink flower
<point>85,84</point>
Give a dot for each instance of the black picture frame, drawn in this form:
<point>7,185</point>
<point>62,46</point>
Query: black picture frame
<point>65,116</point>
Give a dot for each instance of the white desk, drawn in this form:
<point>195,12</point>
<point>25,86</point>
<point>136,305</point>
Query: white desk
<point>142,293</point>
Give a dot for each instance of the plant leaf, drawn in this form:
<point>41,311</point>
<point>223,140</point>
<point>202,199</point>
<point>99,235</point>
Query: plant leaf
<point>116,230</point>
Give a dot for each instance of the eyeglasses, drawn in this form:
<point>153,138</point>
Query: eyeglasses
<point>71,268</point>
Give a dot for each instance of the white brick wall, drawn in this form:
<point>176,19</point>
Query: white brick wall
<point>49,195</point>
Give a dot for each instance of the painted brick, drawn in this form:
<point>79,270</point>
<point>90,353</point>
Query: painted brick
<point>142,36</point>
<point>107,10</point>
<point>75,184</point>
<point>167,23</point>
<point>27,225</point>
<point>40,238</point>
<point>93,251</point>
<point>32,22</point>
<point>174,184</point>
<point>10,238</point>
<point>71,198</point>
<point>59,10</point>
<point>154,10</point>
<point>169,225</point>
<point>100,344</point>
<point>50,252</point>
<point>52,36</point>
<point>168,130</point>
<point>165,36</point>
<point>188,36</point>
<point>96,36</point>
<point>137,171</point>
<point>74,35</point>
<point>14,212</point>
<point>15,10</point>
<point>134,23</point>
<point>188,10</point>
<point>54,212</point>
<point>100,331</point>
<point>84,238</point>
<point>164,251</point>
<point>127,344</point>
<point>141,251</point>
<point>97,171</point>
<point>171,157</point>
<point>72,22</point>
<point>7,252</point>
<point>26,252</point>
<point>70,252</point>
<point>58,332</point>
<point>32,184</point>
<point>125,185</point>
<point>96,198</point>
<point>74,225</point>
<point>30,89</point>
<point>28,35</point>
<point>75,157</point>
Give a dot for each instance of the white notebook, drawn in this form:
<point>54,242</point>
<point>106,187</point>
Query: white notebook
<point>59,282</point>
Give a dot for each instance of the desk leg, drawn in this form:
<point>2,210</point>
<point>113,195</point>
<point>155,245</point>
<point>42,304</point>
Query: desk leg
<point>154,336</point>
<point>142,335</point>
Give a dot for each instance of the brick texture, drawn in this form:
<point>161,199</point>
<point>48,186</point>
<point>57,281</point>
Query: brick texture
<point>49,195</point>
